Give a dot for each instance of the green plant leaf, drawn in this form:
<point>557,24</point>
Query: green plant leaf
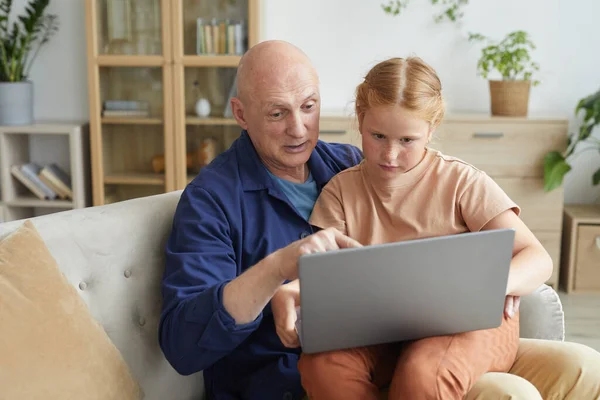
<point>596,177</point>
<point>555,169</point>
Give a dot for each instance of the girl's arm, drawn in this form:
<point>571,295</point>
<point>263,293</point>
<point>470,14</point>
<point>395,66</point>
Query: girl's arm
<point>531,264</point>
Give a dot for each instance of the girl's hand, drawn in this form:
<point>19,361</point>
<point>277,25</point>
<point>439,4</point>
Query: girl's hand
<point>511,305</point>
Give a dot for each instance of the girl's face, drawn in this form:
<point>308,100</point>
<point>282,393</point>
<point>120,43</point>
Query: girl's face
<point>393,140</point>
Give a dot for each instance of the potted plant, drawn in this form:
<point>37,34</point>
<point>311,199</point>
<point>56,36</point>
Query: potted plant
<point>451,9</point>
<point>512,60</point>
<point>20,43</point>
<point>556,164</point>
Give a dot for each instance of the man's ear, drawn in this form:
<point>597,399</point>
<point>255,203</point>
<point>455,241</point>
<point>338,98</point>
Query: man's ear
<point>237,109</point>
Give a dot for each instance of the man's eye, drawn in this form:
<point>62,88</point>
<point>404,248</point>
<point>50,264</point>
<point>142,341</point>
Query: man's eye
<point>276,115</point>
<point>309,106</point>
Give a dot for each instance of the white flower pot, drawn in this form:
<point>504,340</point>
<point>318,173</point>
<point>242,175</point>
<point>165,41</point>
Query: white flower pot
<point>16,103</point>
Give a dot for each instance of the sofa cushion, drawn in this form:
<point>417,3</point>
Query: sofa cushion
<point>50,346</point>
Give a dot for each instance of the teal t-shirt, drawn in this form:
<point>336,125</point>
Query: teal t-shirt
<point>302,195</point>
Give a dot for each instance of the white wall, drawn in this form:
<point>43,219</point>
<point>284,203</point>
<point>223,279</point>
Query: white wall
<point>346,37</point>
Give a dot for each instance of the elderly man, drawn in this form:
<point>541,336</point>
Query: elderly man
<point>240,227</point>
<point>230,285</point>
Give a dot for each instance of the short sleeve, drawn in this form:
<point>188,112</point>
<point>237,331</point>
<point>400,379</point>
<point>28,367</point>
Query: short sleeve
<point>328,211</point>
<point>482,201</point>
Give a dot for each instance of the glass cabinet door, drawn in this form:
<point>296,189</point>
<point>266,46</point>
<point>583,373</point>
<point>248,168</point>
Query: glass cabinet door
<point>209,39</point>
<point>129,27</point>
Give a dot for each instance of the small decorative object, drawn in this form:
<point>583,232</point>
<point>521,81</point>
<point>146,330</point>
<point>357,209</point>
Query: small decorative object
<point>202,108</point>
<point>511,58</point>
<point>208,151</point>
<point>19,46</point>
<point>196,159</point>
<point>556,164</point>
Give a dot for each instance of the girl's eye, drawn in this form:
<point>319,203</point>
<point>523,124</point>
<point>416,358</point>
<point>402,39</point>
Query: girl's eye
<point>406,140</point>
<point>378,136</point>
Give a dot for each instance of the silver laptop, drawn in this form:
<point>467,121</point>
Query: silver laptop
<point>403,291</point>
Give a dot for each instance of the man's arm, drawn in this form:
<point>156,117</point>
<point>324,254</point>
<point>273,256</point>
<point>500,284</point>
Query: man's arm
<point>246,296</point>
<point>196,330</point>
<point>208,310</point>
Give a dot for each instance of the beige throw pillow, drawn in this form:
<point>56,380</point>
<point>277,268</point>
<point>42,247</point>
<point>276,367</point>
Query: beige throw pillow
<point>50,345</point>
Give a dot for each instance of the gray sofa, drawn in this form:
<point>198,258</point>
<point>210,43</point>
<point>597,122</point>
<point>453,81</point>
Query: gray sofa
<point>113,255</point>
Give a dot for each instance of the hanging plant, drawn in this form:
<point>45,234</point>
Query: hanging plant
<point>451,9</point>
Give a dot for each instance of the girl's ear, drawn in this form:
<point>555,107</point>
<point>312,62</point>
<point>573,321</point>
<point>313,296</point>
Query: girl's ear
<point>430,135</point>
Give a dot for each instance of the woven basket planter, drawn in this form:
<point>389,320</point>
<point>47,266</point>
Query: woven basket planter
<point>510,98</point>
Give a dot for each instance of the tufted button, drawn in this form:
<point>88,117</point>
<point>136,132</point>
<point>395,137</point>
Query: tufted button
<point>82,285</point>
<point>142,321</point>
<point>127,273</point>
<point>288,396</point>
<point>304,234</point>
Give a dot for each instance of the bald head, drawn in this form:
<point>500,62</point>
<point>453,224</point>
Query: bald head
<point>272,64</point>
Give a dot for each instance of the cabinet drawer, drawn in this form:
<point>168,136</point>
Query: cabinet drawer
<point>551,242</point>
<point>502,148</point>
<point>587,262</point>
<point>540,211</point>
<point>339,130</point>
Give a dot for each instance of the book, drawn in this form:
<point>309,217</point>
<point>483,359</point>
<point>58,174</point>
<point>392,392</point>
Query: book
<point>28,175</point>
<point>58,180</point>
<point>126,113</point>
<point>130,105</point>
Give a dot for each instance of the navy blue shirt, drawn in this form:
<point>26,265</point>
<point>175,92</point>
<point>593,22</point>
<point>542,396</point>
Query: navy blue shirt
<point>230,217</point>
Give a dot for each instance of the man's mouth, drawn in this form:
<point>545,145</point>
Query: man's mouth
<point>296,148</point>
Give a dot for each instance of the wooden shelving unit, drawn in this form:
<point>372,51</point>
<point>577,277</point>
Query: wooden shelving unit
<point>17,201</point>
<point>160,67</point>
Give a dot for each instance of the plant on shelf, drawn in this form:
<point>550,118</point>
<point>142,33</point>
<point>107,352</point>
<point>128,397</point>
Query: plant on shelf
<point>511,58</point>
<point>451,9</point>
<point>20,44</point>
<point>557,164</point>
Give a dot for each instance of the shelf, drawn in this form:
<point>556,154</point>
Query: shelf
<point>135,179</point>
<point>209,121</point>
<point>130,61</point>
<point>131,121</point>
<point>211,61</point>
<point>35,202</point>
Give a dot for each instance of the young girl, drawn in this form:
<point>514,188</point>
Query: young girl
<point>405,190</point>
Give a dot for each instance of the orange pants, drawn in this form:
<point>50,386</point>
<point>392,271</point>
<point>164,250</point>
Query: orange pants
<point>441,367</point>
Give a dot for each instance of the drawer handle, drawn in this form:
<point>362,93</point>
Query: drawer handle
<point>335,132</point>
<point>598,242</point>
<point>493,135</point>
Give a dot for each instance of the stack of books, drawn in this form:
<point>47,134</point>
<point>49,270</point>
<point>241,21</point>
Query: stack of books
<point>126,109</point>
<point>47,183</point>
<point>222,37</point>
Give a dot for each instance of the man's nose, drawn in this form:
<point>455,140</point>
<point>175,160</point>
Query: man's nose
<point>295,125</point>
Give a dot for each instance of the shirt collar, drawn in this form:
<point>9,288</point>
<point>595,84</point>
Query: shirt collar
<point>255,176</point>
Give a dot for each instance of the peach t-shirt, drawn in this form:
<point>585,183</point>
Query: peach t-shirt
<point>442,195</point>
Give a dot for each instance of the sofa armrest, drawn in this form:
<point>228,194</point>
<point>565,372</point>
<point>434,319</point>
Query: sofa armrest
<point>542,315</point>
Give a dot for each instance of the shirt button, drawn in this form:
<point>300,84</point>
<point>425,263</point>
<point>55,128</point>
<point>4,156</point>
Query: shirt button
<point>287,396</point>
<point>304,234</point>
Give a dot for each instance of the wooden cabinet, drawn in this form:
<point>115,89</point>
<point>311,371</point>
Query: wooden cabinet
<point>510,150</point>
<point>150,55</point>
<point>580,269</point>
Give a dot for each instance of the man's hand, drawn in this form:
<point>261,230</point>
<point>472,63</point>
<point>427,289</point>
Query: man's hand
<point>283,305</point>
<point>511,305</point>
<point>286,258</point>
